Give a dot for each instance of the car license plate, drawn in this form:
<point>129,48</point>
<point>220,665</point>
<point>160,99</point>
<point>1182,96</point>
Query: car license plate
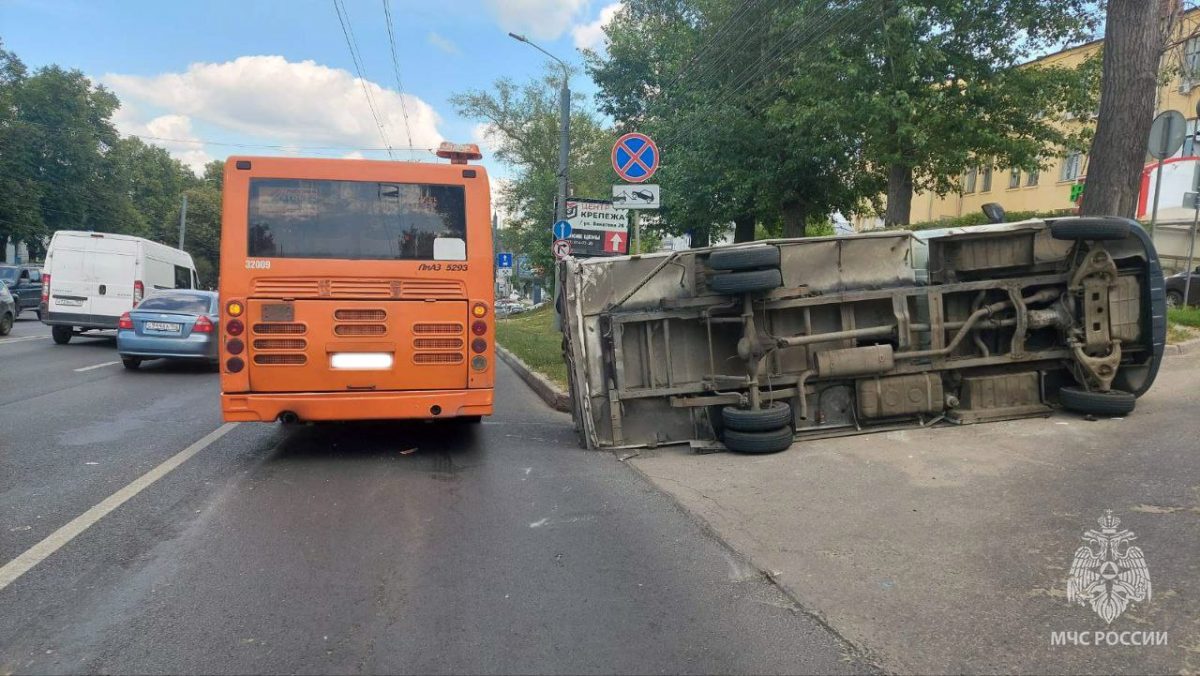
<point>167,327</point>
<point>68,302</point>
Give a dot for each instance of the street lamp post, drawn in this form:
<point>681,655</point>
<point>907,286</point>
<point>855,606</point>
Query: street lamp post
<point>564,146</point>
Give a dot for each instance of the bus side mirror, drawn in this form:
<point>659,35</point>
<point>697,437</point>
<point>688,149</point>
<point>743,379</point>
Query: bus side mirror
<point>994,212</point>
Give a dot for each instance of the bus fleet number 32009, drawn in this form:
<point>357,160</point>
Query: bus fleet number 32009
<point>252,264</point>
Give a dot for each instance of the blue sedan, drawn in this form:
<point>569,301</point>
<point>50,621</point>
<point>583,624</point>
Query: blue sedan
<point>173,324</point>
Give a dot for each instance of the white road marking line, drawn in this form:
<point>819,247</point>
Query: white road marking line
<point>22,339</point>
<point>97,366</point>
<point>56,540</point>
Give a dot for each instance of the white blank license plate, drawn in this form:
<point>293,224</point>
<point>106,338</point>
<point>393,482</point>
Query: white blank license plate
<point>167,327</point>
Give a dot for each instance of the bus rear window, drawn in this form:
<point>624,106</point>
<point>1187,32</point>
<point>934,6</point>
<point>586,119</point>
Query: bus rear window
<point>355,220</point>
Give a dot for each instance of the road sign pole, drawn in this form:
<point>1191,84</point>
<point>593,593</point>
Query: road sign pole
<point>1187,279</point>
<point>637,233</point>
<point>1157,193</point>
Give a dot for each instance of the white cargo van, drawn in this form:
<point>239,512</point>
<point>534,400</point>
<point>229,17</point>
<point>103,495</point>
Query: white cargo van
<point>91,278</point>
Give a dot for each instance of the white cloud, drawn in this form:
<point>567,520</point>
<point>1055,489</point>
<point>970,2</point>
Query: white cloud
<point>173,132</point>
<point>539,19</point>
<point>277,101</point>
<point>482,135</point>
<point>591,35</point>
<point>443,44</point>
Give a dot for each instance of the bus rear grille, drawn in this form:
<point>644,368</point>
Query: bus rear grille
<point>452,328</point>
<point>434,288</point>
<point>352,315</point>
<point>404,289</point>
<point>438,343</point>
<point>286,288</point>
<point>280,343</point>
<point>280,359</point>
<point>359,288</point>
<point>437,358</point>
<point>269,329</point>
<point>360,329</point>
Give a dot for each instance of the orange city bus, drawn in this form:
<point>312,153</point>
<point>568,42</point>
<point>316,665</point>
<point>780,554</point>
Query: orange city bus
<point>356,289</point>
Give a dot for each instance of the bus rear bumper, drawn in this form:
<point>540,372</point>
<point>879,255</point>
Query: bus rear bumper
<point>409,405</point>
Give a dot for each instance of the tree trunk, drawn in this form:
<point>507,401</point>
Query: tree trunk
<point>899,196</point>
<point>743,228</point>
<point>3,248</point>
<point>795,217</point>
<point>1132,44</point>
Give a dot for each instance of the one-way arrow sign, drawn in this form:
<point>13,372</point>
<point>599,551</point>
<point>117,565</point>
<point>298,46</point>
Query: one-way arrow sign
<point>614,243</point>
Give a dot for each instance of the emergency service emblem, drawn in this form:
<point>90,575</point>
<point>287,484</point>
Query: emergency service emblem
<point>1108,573</point>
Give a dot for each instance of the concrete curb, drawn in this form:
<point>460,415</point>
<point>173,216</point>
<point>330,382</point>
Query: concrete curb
<point>1186,347</point>
<point>540,384</point>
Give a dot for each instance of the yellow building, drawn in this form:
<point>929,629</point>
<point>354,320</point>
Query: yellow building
<point>1050,189</point>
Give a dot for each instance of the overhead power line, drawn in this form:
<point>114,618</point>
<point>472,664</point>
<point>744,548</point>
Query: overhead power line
<point>356,57</point>
<point>387,12</point>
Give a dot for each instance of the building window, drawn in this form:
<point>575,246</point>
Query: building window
<point>969,180</point>
<point>1031,179</point>
<point>1191,65</point>
<point>987,179</point>
<point>1072,167</point>
<point>1014,178</point>
<point>1189,141</point>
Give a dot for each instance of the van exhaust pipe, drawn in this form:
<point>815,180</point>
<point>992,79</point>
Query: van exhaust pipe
<point>289,418</point>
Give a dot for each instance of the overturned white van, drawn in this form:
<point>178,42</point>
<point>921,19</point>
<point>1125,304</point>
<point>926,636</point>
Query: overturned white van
<point>754,346</point>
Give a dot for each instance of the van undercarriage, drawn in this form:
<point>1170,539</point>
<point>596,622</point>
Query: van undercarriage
<point>757,345</point>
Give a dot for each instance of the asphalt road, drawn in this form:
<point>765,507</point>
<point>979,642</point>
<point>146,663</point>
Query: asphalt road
<point>340,549</point>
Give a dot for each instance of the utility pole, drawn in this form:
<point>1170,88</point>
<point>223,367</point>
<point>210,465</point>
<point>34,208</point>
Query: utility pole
<point>564,150</point>
<point>183,221</point>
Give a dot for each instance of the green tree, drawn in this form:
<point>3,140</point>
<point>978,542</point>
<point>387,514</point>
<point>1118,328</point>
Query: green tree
<point>781,112</point>
<point>933,87</point>
<point>523,132</point>
<point>20,192</point>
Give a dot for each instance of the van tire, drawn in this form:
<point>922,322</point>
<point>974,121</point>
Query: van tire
<point>744,258</point>
<point>1112,403</point>
<point>750,281</point>
<point>61,334</point>
<point>770,441</point>
<point>773,416</point>
<point>1089,228</point>
<point>131,363</point>
<point>6,323</point>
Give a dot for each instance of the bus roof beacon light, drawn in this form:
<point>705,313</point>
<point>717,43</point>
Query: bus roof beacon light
<point>459,153</point>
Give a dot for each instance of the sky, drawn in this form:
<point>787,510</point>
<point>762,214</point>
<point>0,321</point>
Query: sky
<point>215,73</point>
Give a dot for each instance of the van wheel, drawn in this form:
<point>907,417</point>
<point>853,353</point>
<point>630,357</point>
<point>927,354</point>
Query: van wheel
<point>771,441</point>
<point>6,324</point>
<point>61,334</point>
<point>1113,402</point>
<point>771,417</point>
<point>745,258</point>
<point>131,363</point>
<point>751,281</point>
<point>1098,229</point>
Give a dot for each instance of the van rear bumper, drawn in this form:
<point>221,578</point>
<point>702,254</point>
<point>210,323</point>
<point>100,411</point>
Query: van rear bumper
<point>81,320</point>
<point>408,405</point>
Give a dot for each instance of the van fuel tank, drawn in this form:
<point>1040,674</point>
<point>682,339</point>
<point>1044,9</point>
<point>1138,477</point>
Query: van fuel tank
<point>900,395</point>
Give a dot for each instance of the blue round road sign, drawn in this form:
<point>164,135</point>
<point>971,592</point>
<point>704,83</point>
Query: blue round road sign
<point>635,157</point>
<point>562,230</point>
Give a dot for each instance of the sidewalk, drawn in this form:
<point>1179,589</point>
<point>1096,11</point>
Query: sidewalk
<point>948,550</point>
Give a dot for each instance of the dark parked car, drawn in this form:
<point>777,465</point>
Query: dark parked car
<point>178,324</point>
<point>25,283</point>
<point>1175,284</point>
<point>8,310</point>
